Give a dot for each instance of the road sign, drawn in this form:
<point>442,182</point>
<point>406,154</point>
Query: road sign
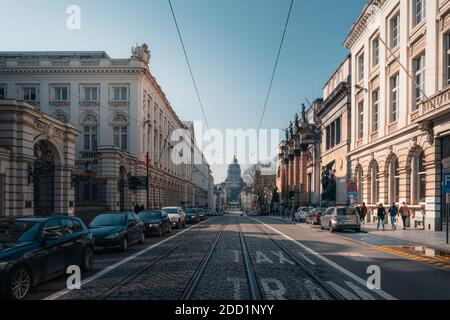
<point>446,183</point>
<point>138,183</point>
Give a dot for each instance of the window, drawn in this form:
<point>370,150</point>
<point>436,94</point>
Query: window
<point>120,94</point>
<point>90,138</point>
<point>333,134</point>
<point>375,52</point>
<point>2,93</point>
<point>91,94</point>
<point>394,96</point>
<point>375,109</point>
<point>419,11</point>
<point>396,181</point>
<point>361,120</point>
<point>120,137</point>
<point>61,117</point>
<point>375,183</point>
<point>61,94</point>
<point>422,178</point>
<point>395,30</point>
<point>419,70</point>
<point>361,67</point>
<point>447,59</point>
<point>29,94</point>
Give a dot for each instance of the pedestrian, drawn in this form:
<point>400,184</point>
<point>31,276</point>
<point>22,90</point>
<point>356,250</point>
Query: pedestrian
<point>405,212</point>
<point>363,212</point>
<point>293,215</point>
<point>393,213</point>
<point>136,208</point>
<point>381,214</point>
<point>142,208</point>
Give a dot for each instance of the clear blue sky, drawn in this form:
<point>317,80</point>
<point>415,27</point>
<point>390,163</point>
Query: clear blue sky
<point>232,46</point>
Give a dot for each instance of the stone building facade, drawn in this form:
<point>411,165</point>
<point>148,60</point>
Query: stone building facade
<point>122,114</point>
<point>400,105</point>
<point>37,161</point>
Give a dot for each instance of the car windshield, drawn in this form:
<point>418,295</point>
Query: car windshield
<point>191,211</point>
<point>319,210</point>
<point>153,215</point>
<point>170,210</point>
<point>18,231</point>
<point>346,212</point>
<point>108,220</point>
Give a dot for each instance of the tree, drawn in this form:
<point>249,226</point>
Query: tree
<point>260,184</point>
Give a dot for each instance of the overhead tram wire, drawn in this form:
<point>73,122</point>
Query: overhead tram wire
<point>276,65</point>
<point>188,63</point>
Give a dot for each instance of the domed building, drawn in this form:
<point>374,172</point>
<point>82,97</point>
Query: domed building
<point>234,183</point>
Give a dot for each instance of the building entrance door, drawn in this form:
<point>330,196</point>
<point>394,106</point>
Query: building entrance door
<point>445,143</point>
<point>44,179</point>
<point>122,187</point>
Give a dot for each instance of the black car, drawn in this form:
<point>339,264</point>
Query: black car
<point>34,250</point>
<point>202,213</point>
<point>192,215</point>
<point>117,231</point>
<point>155,222</point>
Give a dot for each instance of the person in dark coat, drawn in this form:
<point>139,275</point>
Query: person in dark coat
<point>381,214</point>
<point>136,208</point>
<point>393,212</point>
<point>141,208</point>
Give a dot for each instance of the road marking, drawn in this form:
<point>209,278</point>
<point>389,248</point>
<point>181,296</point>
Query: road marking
<point>346,272</point>
<point>307,259</point>
<point>101,273</point>
<point>274,294</point>
<point>262,258</point>
<point>345,293</point>
<point>236,287</point>
<point>283,259</point>
<point>236,256</point>
<point>360,292</point>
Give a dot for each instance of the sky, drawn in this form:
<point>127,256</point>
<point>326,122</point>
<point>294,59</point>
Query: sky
<point>232,46</point>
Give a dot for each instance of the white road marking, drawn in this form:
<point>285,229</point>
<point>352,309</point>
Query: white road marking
<point>262,258</point>
<point>360,292</point>
<point>283,259</point>
<point>307,259</point>
<point>274,294</point>
<point>236,287</point>
<point>346,272</point>
<point>236,255</point>
<point>101,273</point>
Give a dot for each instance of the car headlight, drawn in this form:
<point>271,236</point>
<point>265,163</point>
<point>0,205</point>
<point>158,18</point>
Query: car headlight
<point>3,265</point>
<point>153,225</point>
<point>114,236</point>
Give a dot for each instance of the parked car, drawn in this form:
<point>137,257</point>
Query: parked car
<point>117,231</point>
<point>314,215</point>
<point>202,213</point>
<point>301,214</point>
<point>336,219</point>
<point>192,215</point>
<point>156,223</point>
<point>34,250</point>
<point>176,215</point>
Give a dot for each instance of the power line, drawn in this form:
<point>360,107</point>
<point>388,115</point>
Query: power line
<point>276,65</point>
<point>188,63</point>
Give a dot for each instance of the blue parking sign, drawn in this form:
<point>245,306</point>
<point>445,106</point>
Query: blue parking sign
<point>446,183</point>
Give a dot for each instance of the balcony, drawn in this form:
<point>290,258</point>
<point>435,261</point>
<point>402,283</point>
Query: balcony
<point>88,155</point>
<point>433,108</point>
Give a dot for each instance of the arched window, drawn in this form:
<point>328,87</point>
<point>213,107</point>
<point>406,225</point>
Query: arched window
<point>120,131</point>
<point>359,182</point>
<point>60,116</point>
<point>375,183</point>
<point>90,132</point>
<point>418,178</point>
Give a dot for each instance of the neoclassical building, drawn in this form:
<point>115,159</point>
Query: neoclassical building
<point>400,105</point>
<point>122,114</point>
<point>37,160</point>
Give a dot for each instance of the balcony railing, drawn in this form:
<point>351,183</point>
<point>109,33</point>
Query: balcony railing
<point>88,155</point>
<point>437,102</point>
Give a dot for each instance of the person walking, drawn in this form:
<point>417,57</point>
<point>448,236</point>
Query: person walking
<point>381,214</point>
<point>405,212</point>
<point>363,213</point>
<point>393,212</point>
<point>293,215</point>
<point>141,208</point>
<point>136,208</point>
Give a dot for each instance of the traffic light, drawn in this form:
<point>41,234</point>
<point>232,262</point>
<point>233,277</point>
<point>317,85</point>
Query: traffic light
<point>291,195</point>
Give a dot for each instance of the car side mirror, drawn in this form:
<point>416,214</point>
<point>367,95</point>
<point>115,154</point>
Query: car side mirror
<point>50,236</point>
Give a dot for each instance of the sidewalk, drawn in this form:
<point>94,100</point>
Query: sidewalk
<point>435,240</point>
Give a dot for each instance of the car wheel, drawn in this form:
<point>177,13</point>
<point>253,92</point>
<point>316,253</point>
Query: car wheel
<point>321,227</point>
<point>19,283</point>
<point>357,230</point>
<point>124,246</point>
<point>160,234</point>
<point>331,229</point>
<point>170,229</point>
<point>87,260</point>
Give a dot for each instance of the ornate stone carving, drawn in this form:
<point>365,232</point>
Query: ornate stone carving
<point>142,53</point>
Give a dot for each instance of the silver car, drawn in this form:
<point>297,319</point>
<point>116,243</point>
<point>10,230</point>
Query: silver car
<point>176,215</point>
<point>335,219</point>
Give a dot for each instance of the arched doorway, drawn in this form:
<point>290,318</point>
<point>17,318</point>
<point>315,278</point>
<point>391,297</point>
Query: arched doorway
<point>123,183</point>
<point>44,179</point>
